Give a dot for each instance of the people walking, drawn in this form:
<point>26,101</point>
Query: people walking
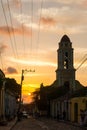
<point>58,115</point>
<point>85,118</point>
<point>82,117</point>
<point>64,115</point>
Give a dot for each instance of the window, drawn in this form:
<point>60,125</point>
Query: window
<point>66,54</point>
<point>66,64</point>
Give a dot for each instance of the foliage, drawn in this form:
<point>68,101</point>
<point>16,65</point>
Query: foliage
<point>36,95</point>
<point>1,82</point>
<point>12,86</point>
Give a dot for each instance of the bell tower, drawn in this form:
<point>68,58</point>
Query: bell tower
<point>65,71</point>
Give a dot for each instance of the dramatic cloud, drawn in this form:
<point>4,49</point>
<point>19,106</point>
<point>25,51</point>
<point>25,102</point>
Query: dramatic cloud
<point>19,31</point>
<point>66,15</point>
<point>65,18</point>
<point>48,21</point>
<point>11,70</point>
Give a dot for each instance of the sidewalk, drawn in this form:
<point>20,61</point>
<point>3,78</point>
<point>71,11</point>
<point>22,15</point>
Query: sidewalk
<point>9,125</point>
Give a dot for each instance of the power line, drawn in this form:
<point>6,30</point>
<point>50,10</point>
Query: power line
<point>81,63</point>
<point>39,25</point>
<point>21,10</point>
<point>8,30</point>
<point>31,24</point>
<point>12,26</point>
<point>7,27</point>
<point>38,38</point>
<point>1,60</point>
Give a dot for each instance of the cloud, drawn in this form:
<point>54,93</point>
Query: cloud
<point>66,15</point>
<point>19,31</point>
<point>16,3</point>
<point>65,18</point>
<point>2,47</point>
<point>62,19</point>
<point>11,70</point>
<point>33,63</point>
<point>69,1</point>
<point>48,21</point>
<point>84,4</point>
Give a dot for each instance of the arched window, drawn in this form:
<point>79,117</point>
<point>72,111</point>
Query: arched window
<point>66,64</point>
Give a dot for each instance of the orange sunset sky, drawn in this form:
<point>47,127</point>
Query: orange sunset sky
<point>29,34</point>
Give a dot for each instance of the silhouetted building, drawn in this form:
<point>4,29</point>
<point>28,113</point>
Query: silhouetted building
<point>65,72</point>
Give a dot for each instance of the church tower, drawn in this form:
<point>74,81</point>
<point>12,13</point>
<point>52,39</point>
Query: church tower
<point>65,71</point>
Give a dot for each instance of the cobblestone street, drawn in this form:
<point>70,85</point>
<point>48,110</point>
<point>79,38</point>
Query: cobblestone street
<point>44,124</point>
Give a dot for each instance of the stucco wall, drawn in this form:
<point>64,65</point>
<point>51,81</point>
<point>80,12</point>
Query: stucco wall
<point>81,102</point>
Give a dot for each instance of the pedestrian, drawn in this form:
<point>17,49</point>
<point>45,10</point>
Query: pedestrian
<point>82,117</point>
<point>85,118</point>
<point>64,115</point>
<point>58,115</point>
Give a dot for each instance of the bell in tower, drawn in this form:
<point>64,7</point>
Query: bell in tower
<point>65,71</point>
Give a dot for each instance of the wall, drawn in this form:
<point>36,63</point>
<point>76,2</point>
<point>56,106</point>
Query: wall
<point>82,104</point>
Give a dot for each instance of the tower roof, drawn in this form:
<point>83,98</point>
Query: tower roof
<point>65,38</point>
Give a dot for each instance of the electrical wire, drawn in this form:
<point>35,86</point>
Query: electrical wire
<point>82,61</point>
<point>8,30</point>
<point>12,27</point>
<point>21,10</point>
<point>38,33</point>
<point>38,38</point>
<point>8,27</point>
<point>1,61</point>
<point>31,25</point>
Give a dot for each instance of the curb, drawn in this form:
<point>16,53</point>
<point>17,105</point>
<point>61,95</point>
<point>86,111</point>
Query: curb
<point>13,125</point>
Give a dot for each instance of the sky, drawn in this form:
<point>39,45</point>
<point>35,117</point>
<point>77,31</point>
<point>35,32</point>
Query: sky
<point>30,31</point>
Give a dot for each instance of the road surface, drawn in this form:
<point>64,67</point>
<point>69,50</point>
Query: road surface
<point>43,124</point>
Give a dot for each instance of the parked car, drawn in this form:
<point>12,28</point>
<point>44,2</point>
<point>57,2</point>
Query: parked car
<point>25,114</point>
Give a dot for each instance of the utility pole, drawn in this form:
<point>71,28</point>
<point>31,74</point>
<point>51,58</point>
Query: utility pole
<point>22,78</point>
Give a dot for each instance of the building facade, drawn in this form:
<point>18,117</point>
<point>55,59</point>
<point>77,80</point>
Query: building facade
<point>2,107</point>
<point>8,100</point>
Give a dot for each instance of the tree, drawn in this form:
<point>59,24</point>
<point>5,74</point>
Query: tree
<point>12,86</point>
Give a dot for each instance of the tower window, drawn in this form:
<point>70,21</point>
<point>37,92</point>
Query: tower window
<point>66,64</point>
<point>66,60</point>
<point>66,54</point>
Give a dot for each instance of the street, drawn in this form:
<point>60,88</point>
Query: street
<point>43,124</point>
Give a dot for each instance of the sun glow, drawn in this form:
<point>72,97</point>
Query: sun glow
<point>29,94</point>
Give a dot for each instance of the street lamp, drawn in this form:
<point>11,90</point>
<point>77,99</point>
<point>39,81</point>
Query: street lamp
<point>22,78</point>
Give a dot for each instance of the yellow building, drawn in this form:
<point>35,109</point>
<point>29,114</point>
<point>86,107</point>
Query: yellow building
<point>76,104</point>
